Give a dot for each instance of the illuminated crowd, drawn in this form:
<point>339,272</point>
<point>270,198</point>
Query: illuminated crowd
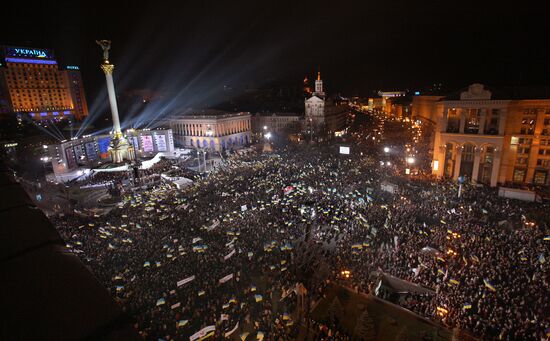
<point>225,251</point>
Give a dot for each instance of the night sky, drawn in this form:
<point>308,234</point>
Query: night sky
<point>193,48</point>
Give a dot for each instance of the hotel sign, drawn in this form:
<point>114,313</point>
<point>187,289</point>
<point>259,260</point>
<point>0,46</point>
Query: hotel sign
<point>23,52</point>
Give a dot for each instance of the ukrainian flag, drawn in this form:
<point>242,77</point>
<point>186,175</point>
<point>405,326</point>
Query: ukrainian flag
<point>206,336</point>
<point>146,264</point>
<point>440,271</point>
<point>253,288</point>
<point>202,292</point>
<point>161,301</point>
<point>489,285</point>
<point>233,300</point>
<point>260,335</point>
<point>182,323</point>
<point>286,317</point>
<point>467,306</point>
<point>547,238</point>
<point>454,281</point>
<point>244,336</point>
<point>258,298</point>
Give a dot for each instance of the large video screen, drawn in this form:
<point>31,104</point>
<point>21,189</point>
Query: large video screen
<point>161,142</point>
<point>90,151</point>
<point>135,143</point>
<point>79,153</point>
<point>344,150</point>
<point>147,143</point>
<point>71,161</point>
<point>103,144</point>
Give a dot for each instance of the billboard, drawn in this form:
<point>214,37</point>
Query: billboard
<point>71,161</point>
<point>160,141</point>
<point>147,143</point>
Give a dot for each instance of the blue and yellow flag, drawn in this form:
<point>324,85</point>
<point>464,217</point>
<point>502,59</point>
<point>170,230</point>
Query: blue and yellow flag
<point>489,284</point>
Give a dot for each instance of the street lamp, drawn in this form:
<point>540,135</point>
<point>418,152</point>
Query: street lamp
<point>410,160</point>
<point>268,136</point>
<point>386,149</point>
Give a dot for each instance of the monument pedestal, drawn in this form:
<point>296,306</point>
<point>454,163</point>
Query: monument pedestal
<point>120,149</point>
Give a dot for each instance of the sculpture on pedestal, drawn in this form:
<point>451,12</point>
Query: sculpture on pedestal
<point>120,149</point>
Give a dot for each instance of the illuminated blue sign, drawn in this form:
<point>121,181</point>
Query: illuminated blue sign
<point>22,52</point>
<point>66,112</point>
<point>55,113</point>
<point>417,93</point>
<point>72,67</point>
<point>43,114</point>
<point>30,61</point>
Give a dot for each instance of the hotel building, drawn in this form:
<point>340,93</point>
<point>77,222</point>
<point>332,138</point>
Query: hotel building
<point>31,83</point>
<point>210,129</point>
<point>491,137</point>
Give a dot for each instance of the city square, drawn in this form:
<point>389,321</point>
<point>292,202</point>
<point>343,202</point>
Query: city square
<point>158,208</point>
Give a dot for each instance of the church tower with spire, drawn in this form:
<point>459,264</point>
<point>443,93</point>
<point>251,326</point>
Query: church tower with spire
<point>319,86</point>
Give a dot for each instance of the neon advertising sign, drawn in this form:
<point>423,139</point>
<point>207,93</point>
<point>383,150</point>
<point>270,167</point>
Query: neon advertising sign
<point>21,52</point>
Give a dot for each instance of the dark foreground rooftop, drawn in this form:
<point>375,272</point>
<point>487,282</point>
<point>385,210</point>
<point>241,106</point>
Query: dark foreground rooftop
<point>47,293</point>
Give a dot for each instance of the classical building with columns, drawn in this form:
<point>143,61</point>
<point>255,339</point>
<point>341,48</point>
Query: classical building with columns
<point>210,129</point>
<point>492,137</point>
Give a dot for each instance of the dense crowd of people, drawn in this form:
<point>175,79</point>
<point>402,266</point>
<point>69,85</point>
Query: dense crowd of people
<point>229,250</point>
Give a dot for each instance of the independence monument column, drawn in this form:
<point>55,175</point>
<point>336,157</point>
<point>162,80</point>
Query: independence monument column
<point>119,147</point>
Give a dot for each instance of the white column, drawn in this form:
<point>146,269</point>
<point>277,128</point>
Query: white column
<point>477,158</point>
<point>458,160</point>
<point>444,120</point>
<point>462,121</point>
<point>496,169</point>
<point>502,121</point>
<point>112,101</point>
<point>482,119</point>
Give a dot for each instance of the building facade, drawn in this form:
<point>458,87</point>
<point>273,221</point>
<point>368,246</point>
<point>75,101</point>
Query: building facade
<point>492,139</point>
<point>277,122</point>
<point>73,79</point>
<point>31,83</point>
<point>213,130</point>
<point>323,117</point>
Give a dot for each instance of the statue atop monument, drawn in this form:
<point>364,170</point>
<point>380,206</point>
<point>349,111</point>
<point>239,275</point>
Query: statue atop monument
<point>105,45</point>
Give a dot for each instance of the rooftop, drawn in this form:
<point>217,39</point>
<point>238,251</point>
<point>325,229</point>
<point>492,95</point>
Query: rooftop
<point>205,113</point>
